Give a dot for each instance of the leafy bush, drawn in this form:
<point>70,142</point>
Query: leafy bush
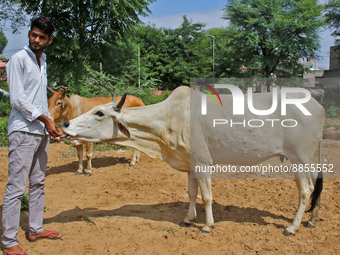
<point>5,107</point>
<point>333,111</point>
<point>332,107</point>
<point>3,85</point>
<point>3,132</point>
<point>24,202</point>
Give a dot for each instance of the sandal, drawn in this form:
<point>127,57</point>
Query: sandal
<point>45,236</point>
<point>15,253</point>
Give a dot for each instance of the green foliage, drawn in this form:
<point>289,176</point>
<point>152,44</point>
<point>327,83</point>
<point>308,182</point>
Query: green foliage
<point>333,111</point>
<point>10,10</point>
<point>100,47</point>
<point>333,17</point>
<point>269,36</point>
<point>332,108</point>
<point>106,146</point>
<point>3,132</point>
<point>5,107</point>
<point>143,93</point>
<point>82,30</point>
<point>24,202</point>
<point>3,41</point>
<point>3,85</point>
<point>96,83</point>
<point>168,57</point>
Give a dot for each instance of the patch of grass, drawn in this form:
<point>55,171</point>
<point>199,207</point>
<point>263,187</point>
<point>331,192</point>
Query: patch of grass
<point>72,152</point>
<point>24,202</point>
<point>332,122</point>
<point>107,146</point>
<point>170,230</point>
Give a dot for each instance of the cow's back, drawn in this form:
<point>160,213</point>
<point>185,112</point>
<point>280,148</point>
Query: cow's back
<point>131,101</point>
<point>243,140</point>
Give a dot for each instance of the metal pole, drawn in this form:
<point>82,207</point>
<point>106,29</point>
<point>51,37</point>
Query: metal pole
<point>138,66</point>
<point>213,58</point>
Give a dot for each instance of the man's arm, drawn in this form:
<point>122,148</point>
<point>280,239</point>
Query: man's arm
<point>51,127</point>
<point>18,96</point>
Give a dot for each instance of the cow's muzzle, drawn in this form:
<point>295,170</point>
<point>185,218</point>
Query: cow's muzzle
<point>66,124</point>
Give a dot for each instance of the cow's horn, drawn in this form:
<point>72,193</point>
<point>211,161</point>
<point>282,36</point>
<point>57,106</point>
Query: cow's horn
<point>50,90</point>
<point>121,102</point>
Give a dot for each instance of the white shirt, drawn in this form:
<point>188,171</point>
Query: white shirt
<point>27,84</point>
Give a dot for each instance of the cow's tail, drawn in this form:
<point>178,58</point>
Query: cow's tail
<point>318,184</point>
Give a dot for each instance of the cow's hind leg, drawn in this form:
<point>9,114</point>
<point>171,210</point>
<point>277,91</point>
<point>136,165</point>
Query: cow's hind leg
<point>314,218</point>
<point>305,187</point>
<point>80,159</point>
<point>205,185</point>
<point>314,209</point>
<point>89,147</point>
<point>193,191</point>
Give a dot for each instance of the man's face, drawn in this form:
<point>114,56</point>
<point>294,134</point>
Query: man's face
<point>38,40</point>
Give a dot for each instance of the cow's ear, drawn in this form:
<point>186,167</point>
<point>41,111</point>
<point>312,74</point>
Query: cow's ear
<point>123,127</point>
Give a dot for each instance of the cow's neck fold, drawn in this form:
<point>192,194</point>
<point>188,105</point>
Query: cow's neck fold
<point>145,127</point>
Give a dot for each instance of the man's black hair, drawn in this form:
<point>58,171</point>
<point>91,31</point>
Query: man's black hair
<point>42,23</point>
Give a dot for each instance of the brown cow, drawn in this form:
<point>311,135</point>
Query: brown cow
<point>62,109</point>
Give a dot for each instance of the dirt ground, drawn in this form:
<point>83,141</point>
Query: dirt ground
<point>119,210</point>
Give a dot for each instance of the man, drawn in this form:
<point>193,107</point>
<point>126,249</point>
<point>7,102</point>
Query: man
<point>29,128</point>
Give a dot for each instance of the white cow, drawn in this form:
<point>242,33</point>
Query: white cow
<point>163,131</point>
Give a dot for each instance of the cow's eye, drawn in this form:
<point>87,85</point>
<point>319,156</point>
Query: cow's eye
<point>100,114</point>
<point>59,103</point>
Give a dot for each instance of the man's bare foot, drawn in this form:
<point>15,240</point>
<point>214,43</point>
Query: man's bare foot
<point>47,234</point>
<point>14,250</point>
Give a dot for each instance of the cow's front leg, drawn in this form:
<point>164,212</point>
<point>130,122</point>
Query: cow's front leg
<point>192,191</point>
<point>80,159</point>
<point>205,185</point>
<point>135,158</point>
<point>89,147</point>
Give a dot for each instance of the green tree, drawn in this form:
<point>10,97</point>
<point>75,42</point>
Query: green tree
<point>82,29</point>
<point>174,55</point>
<point>225,64</point>
<point>269,36</point>
<point>11,11</point>
<point>186,58</point>
<point>168,57</point>
<point>333,17</point>
<point>3,42</point>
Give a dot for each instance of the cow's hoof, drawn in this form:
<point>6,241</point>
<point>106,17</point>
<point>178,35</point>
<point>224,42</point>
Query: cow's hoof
<point>132,166</point>
<point>288,232</point>
<point>309,224</point>
<point>78,173</point>
<point>185,224</point>
<point>88,174</point>
<point>206,229</point>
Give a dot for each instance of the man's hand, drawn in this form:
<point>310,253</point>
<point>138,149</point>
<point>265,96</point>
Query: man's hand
<point>51,128</point>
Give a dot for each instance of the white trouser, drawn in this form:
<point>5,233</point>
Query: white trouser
<point>27,154</point>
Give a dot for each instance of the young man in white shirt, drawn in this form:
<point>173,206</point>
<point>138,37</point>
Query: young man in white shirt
<point>29,129</point>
